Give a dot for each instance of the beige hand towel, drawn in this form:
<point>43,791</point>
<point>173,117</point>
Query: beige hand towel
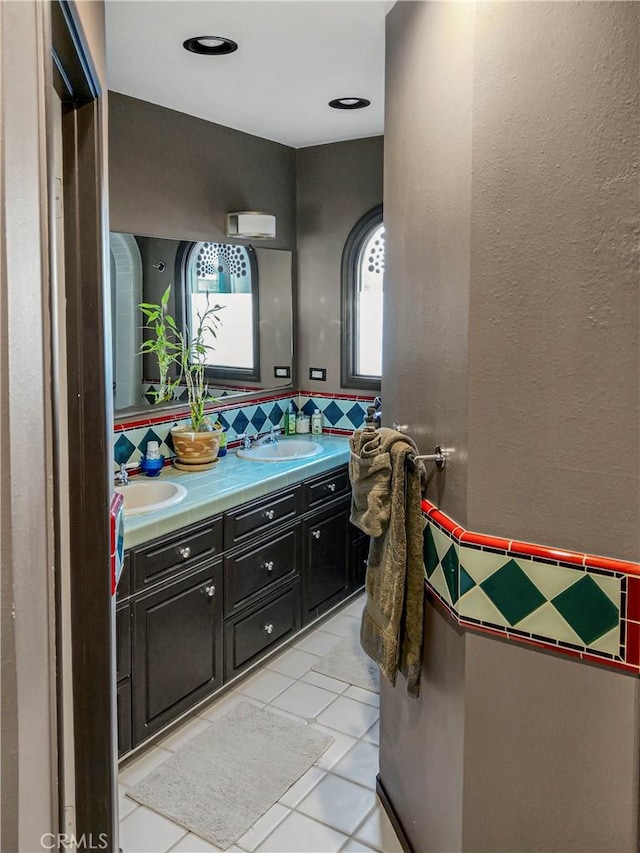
<point>386,493</point>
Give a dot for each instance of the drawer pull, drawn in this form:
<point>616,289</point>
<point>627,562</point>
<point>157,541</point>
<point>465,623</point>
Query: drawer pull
<point>269,628</point>
<point>269,565</point>
<point>185,552</point>
<point>331,487</point>
<point>270,514</point>
<point>210,590</point>
<point>315,534</point>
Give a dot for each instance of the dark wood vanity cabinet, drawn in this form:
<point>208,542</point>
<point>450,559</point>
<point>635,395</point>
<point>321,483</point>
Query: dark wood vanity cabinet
<point>325,574</point>
<point>177,648</point>
<point>201,605</point>
<point>358,556</point>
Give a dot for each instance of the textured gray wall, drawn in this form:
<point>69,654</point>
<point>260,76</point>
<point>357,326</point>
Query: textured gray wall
<point>174,175</point>
<point>554,344</point>
<point>511,205</point>
<point>551,753</point>
<point>427,197</point>
<point>337,184</point>
<point>422,743</point>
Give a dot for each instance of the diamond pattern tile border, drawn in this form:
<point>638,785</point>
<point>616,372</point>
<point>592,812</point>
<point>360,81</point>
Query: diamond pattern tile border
<point>342,413</point>
<point>572,603</point>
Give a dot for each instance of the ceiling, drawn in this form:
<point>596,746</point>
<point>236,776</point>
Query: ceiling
<point>294,57</point>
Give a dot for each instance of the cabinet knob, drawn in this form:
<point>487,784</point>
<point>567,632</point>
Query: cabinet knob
<point>315,534</point>
<point>185,552</point>
<point>270,514</point>
<point>331,487</point>
<point>269,565</point>
<point>269,628</point>
<point>210,590</point>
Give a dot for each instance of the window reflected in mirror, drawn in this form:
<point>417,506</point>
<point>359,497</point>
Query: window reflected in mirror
<point>225,275</point>
<point>256,334</point>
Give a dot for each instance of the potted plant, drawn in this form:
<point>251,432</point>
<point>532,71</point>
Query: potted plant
<point>197,443</point>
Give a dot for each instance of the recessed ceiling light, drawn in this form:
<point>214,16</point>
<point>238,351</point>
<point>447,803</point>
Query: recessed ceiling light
<point>210,45</point>
<point>349,103</point>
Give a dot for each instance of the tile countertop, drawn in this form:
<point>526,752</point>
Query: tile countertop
<point>232,482</point>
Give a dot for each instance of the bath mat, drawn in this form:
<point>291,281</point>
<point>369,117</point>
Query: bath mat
<point>348,662</point>
<point>219,783</point>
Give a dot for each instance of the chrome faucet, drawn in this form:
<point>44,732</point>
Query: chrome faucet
<point>273,435</point>
<point>270,437</point>
<point>122,477</point>
<point>246,441</point>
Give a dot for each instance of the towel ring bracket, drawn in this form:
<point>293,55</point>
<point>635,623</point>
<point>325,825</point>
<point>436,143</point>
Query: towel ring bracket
<point>439,456</point>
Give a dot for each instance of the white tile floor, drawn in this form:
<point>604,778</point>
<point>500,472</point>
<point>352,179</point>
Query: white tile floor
<point>333,806</point>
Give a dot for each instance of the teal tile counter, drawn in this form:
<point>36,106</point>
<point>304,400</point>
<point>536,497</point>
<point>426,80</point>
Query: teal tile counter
<point>232,482</point>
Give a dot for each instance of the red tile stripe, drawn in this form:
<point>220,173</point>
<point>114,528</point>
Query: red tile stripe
<point>528,549</point>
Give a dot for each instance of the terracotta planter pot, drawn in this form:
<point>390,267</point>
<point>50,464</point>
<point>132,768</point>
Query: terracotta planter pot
<point>195,448</point>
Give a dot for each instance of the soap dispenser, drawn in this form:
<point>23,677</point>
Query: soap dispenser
<point>316,422</point>
<point>290,421</point>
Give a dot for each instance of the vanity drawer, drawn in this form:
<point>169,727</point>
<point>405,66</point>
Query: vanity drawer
<point>260,516</point>
<point>254,569</point>
<point>247,638</point>
<point>326,487</point>
<point>177,551</point>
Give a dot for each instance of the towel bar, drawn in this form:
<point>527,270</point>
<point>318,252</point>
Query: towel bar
<point>439,457</point>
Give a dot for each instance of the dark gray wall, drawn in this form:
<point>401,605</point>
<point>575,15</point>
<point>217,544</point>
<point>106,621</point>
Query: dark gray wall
<point>511,206</point>
<point>554,345</point>
<point>509,749</point>
<point>427,197</point>
<point>422,743</point>
<point>173,175</point>
<point>337,184</point>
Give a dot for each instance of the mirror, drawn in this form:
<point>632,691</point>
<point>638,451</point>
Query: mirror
<point>254,285</point>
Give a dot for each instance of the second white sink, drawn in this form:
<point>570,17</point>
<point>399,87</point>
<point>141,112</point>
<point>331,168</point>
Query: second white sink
<point>148,497</point>
<point>285,450</point>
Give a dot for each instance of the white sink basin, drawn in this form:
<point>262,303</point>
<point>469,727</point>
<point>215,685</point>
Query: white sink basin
<point>148,497</point>
<point>285,450</point>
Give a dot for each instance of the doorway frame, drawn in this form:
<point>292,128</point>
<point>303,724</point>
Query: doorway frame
<point>88,412</point>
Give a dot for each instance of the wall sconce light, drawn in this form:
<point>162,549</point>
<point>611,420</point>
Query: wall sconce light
<point>251,224</point>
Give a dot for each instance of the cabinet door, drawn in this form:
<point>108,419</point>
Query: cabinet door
<point>326,567</point>
<point>358,555</point>
<point>177,648</point>
<point>123,698</point>
<point>123,641</point>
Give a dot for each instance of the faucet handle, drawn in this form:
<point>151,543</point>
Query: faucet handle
<point>122,475</point>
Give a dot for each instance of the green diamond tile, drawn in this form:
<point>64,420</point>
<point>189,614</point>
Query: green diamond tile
<point>450,571</point>
<point>587,609</point>
<point>431,558</point>
<point>466,581</point>
<point>512,592</point>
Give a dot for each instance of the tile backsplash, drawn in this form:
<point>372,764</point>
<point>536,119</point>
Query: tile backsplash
<point>342,414</point>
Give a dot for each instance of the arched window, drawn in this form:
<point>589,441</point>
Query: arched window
<point>226,275</point>
<point>362,287</point>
